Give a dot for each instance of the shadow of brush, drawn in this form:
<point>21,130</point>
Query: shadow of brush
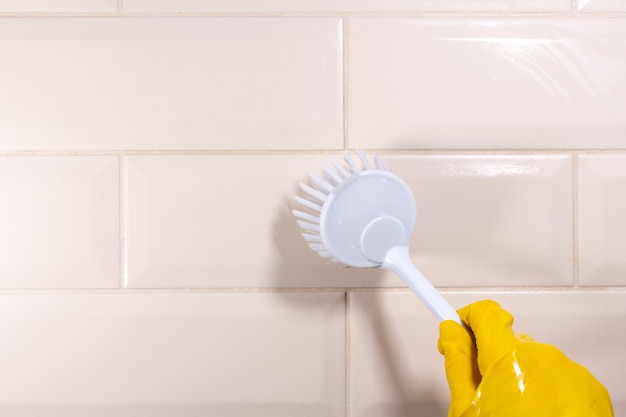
<point>395,367</point>
<point>298,266</point>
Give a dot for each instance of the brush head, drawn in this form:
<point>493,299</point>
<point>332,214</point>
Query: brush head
<point>355,215</point>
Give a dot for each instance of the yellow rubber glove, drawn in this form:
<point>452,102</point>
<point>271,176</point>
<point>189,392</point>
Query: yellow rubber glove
<point>496,373</point>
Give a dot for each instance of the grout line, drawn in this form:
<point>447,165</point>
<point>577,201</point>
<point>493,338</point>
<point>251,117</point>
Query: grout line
<point>575,225</point>
<point>346,80</point>
<point>322,290</point>
<point>120,12</point>
<point>494,289</point>
<point>122,220</point>
<point>348,355</point>
<point>309,151</point>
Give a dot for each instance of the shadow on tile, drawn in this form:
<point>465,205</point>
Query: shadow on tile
<point>415,394</point>
<point>298,266</point>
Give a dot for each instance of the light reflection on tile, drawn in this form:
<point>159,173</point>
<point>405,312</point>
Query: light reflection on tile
<point>495,221</point>
<point>601,5</point>
<point>525,83</point>
<point>491,220</point>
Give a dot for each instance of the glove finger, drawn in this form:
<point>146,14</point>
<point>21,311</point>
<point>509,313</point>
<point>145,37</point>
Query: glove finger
<point>459,351</point>
<point>493,329</point>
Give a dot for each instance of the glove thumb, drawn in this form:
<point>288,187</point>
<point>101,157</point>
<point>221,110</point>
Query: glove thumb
<point>459,351</point>
<point>493,328</point>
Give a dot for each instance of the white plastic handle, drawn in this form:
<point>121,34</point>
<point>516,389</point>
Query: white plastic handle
<point>399,261</point>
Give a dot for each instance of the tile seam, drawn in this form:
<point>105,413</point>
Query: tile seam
<point>295,152</point>
<point>122,220</point>
<point>492,289</point>
<point>326,290</point>
<point>348,354</point>
<point>148,291</point>
<point>577,14</point>
<point>346,79</point>
<point>575,219</point>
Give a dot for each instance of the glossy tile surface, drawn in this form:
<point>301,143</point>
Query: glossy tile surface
<point>59,219</point>
<point>150,152</point>
<point>58,5</point>
<point>525,83</point>
<point>502,220</point>
<point>342,5</point>
<point>172,355</point>
<point>171,83</point>
<point>491,220</point>
<point>602,228</point>
<point>223,221</point>
<point>602,5</point>
<point>397,370</point>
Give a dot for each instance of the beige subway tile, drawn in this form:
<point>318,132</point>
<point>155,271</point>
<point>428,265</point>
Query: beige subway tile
<point>491,220</point>
<point>602,228</point>
<point>250,354</point>
<point>397,370</point>
<point>494,221</point>
<point>59,219</point>
<point>342,5</point>
<point>601,5</point>
<point>58,5</point>
<point>484,83</point>
<point>171,83</point>
<point>223,221</point>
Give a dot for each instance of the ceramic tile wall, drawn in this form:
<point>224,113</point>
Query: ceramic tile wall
<point>150,152</point>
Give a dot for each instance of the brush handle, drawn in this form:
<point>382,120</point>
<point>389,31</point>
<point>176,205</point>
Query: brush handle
<point>399,261</point>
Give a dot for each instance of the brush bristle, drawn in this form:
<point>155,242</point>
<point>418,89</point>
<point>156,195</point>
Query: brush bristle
<point>312,202</point>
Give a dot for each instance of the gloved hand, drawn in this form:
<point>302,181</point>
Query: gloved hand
<point>495,373</point>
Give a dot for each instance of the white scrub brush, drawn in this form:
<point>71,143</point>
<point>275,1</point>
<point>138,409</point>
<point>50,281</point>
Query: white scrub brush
<point>364,217</point>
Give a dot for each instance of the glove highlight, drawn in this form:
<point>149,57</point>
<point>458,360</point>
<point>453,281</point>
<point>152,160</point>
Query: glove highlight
<point>496,373</point>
